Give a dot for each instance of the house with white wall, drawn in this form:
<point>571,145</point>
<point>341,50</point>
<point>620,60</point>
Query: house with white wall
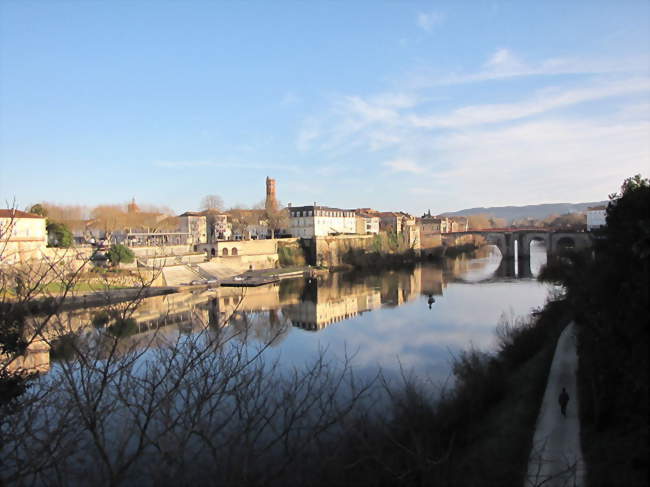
<point>596,217</point>
<point>319,221</point>
<point>23,236</point>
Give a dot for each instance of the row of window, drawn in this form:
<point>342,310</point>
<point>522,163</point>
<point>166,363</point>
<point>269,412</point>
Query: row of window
<point>330,213</point>
<point>16,232</point>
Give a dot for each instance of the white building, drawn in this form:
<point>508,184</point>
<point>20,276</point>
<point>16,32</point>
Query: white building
<point>194,223</point>
<point>596,217</point>
<point>22,236</point>
<point>319,221</point>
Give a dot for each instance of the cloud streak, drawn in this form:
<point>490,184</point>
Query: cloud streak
<point>428,20</point>
<point>221,165</point>
<point>404,165</point>
<point>504,64</point>
<point>572,140</point>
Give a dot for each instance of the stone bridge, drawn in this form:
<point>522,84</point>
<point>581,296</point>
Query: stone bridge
<point>555,241</point>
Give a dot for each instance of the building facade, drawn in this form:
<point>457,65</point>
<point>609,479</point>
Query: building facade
<point>596,217</point>
<point>395,221</point>
<point>319,221</point>
<point>23,236</point>
<point>367,224</point>
<point>194,223</point>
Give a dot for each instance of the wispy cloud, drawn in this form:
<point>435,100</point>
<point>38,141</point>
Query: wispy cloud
<point>543,101</point>
<point>428,20</point>
<point>404,165</point>
<point>504,63</point>
<point>221,165</point>
<point>568,140</point>
<point>545,160</point>
<point>390,120</point>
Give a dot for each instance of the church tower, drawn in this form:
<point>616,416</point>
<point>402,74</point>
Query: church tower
<point>271,201</point>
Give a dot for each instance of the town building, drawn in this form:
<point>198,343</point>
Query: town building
<point>430,224</point>
<point>431,230</point>
<point>367,223</point>
<point>23,236</point>
<point>194,223</point>
<point>596,217</point>
<point>318,221</point>
<point>458,224</point>
<point>217,227</point>
<point>395,221</point>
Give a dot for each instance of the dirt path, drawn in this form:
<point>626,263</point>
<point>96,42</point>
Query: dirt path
<point>556,456</point>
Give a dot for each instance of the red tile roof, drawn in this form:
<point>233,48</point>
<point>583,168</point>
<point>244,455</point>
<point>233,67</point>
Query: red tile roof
<point>11,213</point>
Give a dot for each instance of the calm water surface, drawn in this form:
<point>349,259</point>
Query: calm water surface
<point>413,318</point>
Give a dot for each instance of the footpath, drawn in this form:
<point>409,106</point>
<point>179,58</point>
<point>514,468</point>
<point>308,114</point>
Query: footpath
<point>556,456</point>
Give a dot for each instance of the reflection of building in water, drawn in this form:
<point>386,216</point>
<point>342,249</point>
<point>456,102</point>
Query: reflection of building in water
<point>165,315</point>
<point>330,300</point>
<point>432,280</point>
<point>399,287</point>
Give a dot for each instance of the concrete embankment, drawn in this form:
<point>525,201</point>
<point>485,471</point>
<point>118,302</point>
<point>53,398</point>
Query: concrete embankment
<point>101,298</point>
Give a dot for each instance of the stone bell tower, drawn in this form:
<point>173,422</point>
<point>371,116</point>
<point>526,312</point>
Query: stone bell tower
<point>271,201</point>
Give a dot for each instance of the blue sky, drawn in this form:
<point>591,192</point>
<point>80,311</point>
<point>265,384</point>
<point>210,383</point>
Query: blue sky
<point>393,105</point>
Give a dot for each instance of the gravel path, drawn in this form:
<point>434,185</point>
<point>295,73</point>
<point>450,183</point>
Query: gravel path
<point>556,456</point>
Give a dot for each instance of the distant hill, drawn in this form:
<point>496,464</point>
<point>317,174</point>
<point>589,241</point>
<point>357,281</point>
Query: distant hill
<point>529,211</point>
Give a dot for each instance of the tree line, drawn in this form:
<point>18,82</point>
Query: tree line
<point>609,297</point>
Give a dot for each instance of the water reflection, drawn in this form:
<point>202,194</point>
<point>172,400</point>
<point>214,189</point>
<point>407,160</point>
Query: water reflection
<point>487,265</point>
<point>421,315</point>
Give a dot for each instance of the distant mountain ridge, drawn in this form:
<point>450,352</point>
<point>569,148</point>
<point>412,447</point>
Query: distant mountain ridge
<point>538,212</point>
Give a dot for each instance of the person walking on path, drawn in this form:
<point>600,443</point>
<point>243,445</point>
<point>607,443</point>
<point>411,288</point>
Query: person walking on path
<point>563,400</point>
<point>556,455</point>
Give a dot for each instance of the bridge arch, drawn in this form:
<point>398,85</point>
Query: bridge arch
<point>526,238</point>
<point>577,241</point>
<point>499,241</point>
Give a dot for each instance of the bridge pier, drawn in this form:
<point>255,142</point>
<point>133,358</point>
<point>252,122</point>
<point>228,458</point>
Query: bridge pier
<point>523,267</point>
<point>506,268</point>
<point>510,252</point>
<point>523,246</point>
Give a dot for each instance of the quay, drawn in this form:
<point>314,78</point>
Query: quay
<point>267,276</point>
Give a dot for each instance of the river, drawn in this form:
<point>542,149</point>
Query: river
<point>414,319</point>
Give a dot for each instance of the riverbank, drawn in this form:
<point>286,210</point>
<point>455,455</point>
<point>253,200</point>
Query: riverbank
<point>477,432</point>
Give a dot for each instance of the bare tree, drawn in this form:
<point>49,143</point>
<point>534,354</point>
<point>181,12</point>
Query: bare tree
<point>212,202</point>
<point>277,218</point>
<point>129,404</point>
<point>109,219</point>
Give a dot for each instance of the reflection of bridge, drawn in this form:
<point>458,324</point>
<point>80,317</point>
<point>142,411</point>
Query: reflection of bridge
<point>513,242</point>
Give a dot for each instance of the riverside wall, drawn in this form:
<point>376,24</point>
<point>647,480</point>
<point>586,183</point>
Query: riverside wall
<point>353,250</point>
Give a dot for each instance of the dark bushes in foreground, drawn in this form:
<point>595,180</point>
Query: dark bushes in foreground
<point>476,432</point>
<point>609,298</point>
<point>202,409</point>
